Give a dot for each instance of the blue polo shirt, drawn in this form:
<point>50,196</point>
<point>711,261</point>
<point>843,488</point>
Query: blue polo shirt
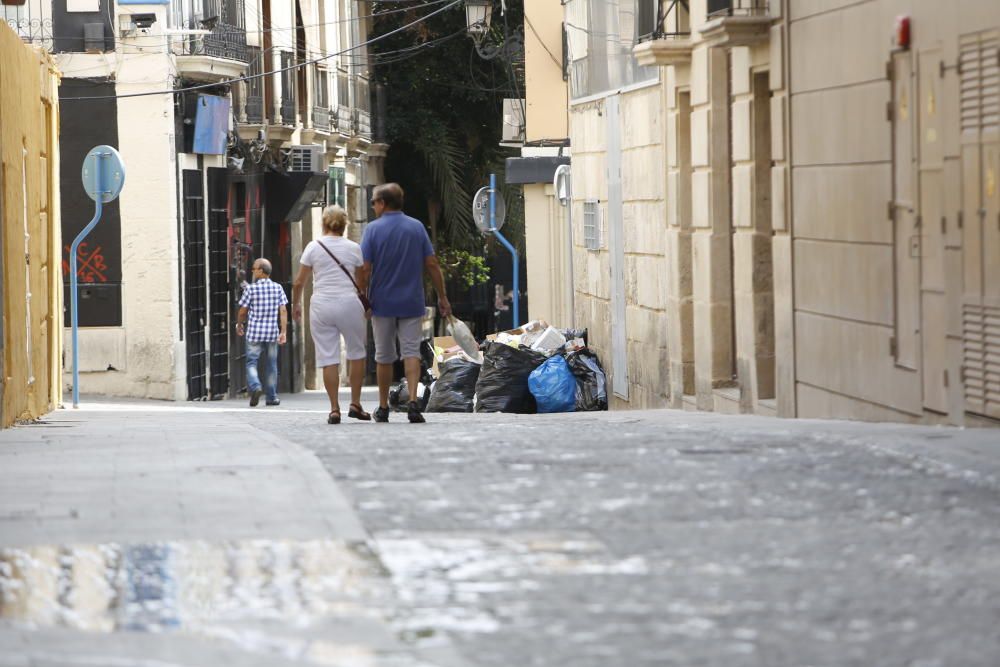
<point>396,246</point>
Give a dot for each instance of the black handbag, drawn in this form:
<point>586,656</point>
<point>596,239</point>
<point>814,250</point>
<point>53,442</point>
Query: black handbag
<point>365,303</point>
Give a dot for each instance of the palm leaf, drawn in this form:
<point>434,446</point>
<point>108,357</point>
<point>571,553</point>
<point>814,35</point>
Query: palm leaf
<point>446,163</point>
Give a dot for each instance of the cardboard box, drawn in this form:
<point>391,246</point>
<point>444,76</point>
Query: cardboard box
<point>512,332</point>
<point>449,348</point>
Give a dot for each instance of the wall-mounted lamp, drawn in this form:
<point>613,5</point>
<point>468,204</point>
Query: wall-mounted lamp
<point>477,16</point>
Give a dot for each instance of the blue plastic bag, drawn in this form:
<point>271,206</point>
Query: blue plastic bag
<point>553,386</point>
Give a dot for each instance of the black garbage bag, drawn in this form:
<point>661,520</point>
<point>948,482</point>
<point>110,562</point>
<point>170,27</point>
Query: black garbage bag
<point>399,397</point>
<point>455,387</point>
<point>591,383</point>
<point>503,380</point>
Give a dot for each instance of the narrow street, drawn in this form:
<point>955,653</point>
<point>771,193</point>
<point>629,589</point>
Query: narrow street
<point>150,533</point>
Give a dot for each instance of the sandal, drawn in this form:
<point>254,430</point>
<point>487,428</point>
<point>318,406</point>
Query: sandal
<point>357,412</point>
<point>334,417</point>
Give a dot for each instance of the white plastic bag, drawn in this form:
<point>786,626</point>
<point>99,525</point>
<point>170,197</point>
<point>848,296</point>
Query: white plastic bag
<point>460,332</point>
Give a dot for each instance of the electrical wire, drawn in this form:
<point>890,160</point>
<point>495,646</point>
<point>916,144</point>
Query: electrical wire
<point>166,44</point>
<point>542,41</point>
<point>277,71</point>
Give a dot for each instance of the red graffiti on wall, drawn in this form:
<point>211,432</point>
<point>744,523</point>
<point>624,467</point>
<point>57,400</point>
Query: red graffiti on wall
<point>90,266</point>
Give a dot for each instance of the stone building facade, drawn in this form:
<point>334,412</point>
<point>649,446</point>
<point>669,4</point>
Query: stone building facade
<point>790,207</point>
<point>236,121</point>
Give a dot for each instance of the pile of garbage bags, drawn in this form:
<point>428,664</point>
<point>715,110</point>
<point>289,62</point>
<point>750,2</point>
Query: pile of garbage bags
<point>536,368</point>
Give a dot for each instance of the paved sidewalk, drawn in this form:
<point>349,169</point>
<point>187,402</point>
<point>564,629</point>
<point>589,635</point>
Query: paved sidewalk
<point>135,471</point>
<point>148,533</point>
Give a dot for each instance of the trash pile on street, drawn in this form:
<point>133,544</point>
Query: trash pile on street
<point>535,368</point>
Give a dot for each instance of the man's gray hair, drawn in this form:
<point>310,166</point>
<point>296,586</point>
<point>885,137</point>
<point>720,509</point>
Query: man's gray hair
<point>264,265</point>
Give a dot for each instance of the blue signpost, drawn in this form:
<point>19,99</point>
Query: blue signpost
<point>103,176</point>
<point>506,244</point>
<point>489,212</point>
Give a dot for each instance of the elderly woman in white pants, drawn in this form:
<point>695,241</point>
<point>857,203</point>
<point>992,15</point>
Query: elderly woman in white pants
<point>334,309</point>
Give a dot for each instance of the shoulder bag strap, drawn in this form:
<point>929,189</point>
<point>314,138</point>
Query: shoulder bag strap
<point>342,268</point>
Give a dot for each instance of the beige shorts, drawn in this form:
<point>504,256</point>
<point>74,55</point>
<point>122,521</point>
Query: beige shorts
<point>388,329</point>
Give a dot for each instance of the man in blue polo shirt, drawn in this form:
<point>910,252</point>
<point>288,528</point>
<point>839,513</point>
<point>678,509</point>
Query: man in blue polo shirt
<point>397,251</point>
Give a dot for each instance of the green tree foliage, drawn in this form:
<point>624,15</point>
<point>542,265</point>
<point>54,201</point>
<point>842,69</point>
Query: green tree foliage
<point>444,115</point>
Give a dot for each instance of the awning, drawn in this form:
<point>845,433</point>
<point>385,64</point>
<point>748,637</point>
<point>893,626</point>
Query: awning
<point>533,169</point>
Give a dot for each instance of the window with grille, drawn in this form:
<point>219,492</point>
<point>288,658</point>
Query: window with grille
<point>591,225</point>
<point>287,88</point>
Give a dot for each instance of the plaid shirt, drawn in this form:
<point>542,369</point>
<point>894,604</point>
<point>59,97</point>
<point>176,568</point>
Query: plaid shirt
<point>263,297</point>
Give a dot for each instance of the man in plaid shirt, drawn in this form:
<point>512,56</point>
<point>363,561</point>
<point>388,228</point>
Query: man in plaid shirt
<point>264,301</point>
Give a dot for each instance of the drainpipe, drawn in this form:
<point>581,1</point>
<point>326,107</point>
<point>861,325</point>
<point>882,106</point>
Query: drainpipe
<point>566,173</point>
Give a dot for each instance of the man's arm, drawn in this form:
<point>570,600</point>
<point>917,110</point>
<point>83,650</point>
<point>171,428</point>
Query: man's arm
<point>362,276</point>
<point>283,316</point>
<point>241,321</point>
<point>437,278</point>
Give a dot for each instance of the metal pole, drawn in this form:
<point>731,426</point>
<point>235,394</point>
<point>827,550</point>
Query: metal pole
<point>506,244</point>
<point>98,206</point>
<point>570,287</point>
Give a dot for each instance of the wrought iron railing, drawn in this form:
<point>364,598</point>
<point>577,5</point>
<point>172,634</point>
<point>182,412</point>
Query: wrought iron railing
<point>30,30</point>
<point>226,41</point>
<point>321,99</point>
<point>673,20</point>
<point>228,37</point>
<point>321,119</point>
<point>736,8</point>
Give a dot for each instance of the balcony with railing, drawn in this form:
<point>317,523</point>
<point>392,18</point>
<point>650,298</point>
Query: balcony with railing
<point>31,20</point>
<point>321,100</point>
<point>223,52</point>
<point>250,96</point>
<point>345,121</point>
<point>736,22</point>
<point>670,43</point>
<point>717,8</point>
<point>362,108</point>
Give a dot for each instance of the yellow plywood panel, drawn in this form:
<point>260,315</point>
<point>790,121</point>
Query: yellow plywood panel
<point>28,155</point>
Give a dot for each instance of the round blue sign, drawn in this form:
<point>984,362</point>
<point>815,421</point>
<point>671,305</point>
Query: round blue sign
<point>103,171</point>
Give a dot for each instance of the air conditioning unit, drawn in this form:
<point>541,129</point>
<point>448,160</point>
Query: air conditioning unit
<point>308,159</point>
<point>513,120</point>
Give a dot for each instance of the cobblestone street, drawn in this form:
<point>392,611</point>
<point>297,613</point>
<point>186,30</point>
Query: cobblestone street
<point>624,538</point>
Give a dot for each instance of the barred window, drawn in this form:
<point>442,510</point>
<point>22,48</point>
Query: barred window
<point>591,225</point>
